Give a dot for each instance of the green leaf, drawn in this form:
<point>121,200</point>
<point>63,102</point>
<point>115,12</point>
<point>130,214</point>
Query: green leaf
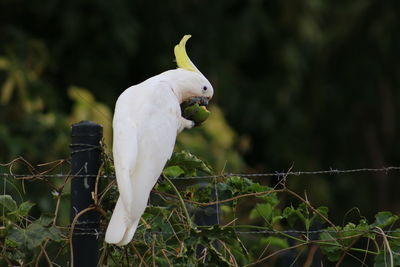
<point>189,163</point>
<point>33,235</point>
<point>350,230</point>
<point>331,247</point>
<point>208,238</point>
<point>45,220</point>
<point>203,194</point>
<point>384,218</point>
<point>8,203</point>
<point>290,214</point>
<point>303,214</point>
<point>236,182</point>
<point>264,210</point>
<point>30,238</point>
<point>22,210</point>
<point>276,219</point>
<point>302,208</point>
<point>54,233</point>
<point>173,171</point>
<point>323,211</point>
<point>255,187</point>
<point>383,259</point>
<point>274,242</point>
<point>158,217</point>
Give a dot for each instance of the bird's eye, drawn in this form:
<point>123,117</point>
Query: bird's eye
<point>205,88</point>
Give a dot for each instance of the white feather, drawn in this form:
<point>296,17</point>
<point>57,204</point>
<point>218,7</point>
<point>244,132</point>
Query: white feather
<point>147,119</point>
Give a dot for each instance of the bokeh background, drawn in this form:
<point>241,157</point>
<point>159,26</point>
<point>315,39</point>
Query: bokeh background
<point>310,84</point>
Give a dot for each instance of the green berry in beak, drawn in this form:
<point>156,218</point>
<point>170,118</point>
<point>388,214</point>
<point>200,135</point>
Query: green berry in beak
<point>196,113</point>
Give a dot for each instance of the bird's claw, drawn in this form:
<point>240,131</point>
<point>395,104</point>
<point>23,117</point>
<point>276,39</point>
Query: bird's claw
<point>186,124</point>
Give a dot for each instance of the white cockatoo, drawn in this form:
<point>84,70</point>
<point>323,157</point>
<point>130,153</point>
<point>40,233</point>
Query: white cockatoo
<point>147,119</point>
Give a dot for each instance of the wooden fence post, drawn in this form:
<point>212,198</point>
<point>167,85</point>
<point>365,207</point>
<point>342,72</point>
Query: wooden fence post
<point>207,216</point>
<point>85,164</point>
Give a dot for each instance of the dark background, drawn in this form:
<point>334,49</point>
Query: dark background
<point>313,84</point>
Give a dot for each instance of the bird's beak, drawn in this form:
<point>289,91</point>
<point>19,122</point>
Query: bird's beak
<point>201,100</point>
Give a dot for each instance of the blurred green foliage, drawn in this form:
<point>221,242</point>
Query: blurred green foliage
<point>310,83</point>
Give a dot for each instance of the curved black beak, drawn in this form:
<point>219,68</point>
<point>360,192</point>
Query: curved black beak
<point>201,100</point>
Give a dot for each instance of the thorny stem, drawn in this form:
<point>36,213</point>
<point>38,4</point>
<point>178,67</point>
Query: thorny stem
<point>189,221</point>
<point>386,245</point>
<point>264,228</point>
<point>72,231</point>
<point>275,253</point>
<point>43,251</point>
<point>166,257</point>
<point>95,194</point>
<point>126,256</point>
<point>304,243</point>
<point>46,256</point>
<point>366,254</point>
<point>153,256</point>
<point>104,192</point>
<point>204,204</point>
<point>345,252</point>
<point>311,207</point>
<point>138,254</point>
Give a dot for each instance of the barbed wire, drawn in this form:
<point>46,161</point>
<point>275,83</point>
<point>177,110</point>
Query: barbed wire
<point>260,232</point>
<point>331,171</point>
<point>96,229</point>
<point>266,231</point>
<point>89,147</point>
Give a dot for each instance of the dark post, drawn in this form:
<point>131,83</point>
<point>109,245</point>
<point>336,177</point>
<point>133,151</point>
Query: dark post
<point>85,164</point>
<point>207,216</point>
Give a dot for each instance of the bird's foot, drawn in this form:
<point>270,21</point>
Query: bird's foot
<point>186,124</point>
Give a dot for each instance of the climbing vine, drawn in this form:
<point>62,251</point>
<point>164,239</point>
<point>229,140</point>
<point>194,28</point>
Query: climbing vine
<point>221,220</point>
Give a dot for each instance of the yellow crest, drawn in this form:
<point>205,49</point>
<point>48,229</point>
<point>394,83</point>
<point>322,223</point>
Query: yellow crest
<point>182,59</point>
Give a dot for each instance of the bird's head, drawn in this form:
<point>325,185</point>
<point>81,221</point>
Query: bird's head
<point>191,83</point>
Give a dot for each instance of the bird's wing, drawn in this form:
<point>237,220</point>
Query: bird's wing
<point>145,124</point>
<point>125,149</point>
<point>156,140</point>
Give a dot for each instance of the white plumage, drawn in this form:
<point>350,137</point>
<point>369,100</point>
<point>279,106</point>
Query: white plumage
<point>147,119</point>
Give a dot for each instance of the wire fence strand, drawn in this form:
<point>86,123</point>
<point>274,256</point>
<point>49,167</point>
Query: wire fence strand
<point>91,228</point>
<point>225,175</point>
<point>260,232</point>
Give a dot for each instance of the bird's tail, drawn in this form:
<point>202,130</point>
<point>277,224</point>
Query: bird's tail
<point>118,224</point>
<point>130,231</point>
<point>121,228</point>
